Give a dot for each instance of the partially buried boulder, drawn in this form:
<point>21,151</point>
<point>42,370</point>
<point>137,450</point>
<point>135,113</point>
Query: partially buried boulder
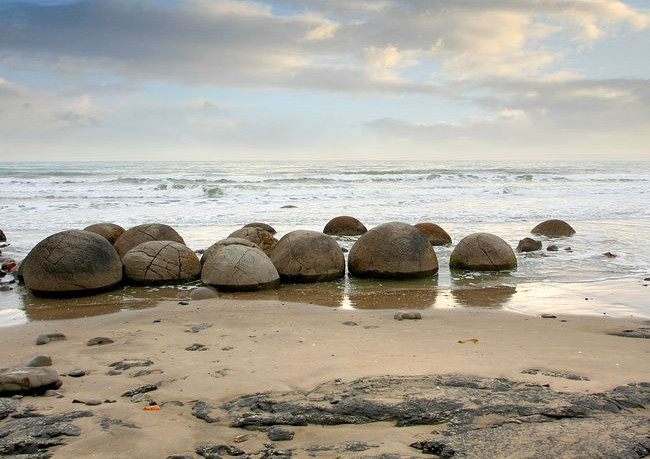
<point>554,228</point>
<point>308,256</point>
<point>264,226</point>
<point>28,380</point>
<point>393,250</point>
<point>529,245</point>
<point>434,233</point>
<point>237,267</point>
<point>203,293</point>
<point>72,263</point>
<point>145,233</point>
<point>483,252</point>
<point>224,242</point>
<point>262,238</point>
<point>344,226</point>
<point>158,262</point>
<point>110,231</point>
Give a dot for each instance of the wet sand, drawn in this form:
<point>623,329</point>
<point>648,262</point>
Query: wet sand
<point>269,345</point>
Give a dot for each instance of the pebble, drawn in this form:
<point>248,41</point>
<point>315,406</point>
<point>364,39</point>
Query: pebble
<point>548,316</point>
<point>76,373</point>
<point>39,361</point>
<point>197,347</point>
<point>45,338</point>
<point>99,341</point>
<point>407,316</point>
<point>113,373</point>
<point>6,288</point>
<point>350,323</point>
<point>280,434</point>
<point>552,248</point>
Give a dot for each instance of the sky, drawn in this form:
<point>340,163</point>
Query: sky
<point>324,80</point>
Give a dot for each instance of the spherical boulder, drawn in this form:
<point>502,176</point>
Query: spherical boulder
<point>344,226</point>
<point>264,226</point>
<point>224,242</point>
<point>110,231</point>
<point>159,262</point>
<point>236,267</point>
<point>308,256</point>
<point>434,233</point>
<point>393,250</point>
<point>554,228</point>
<point>528,244</point>
<point>483,252</point>
<point>145,233</point>
<point>262,238</point>
<point>72,263</point>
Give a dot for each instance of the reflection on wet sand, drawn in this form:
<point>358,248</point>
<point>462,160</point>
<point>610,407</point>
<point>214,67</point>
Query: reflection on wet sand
<point>489,297</point>
<point>394,298</point>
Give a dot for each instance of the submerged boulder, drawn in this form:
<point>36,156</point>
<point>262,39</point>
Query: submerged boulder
<point>344,226</point>
<point>157,262</point>
<point>145,233</point>
<point>393,250</point>
<point>224,242</point>
<point>264,226</point>
<point>554,228</point>
<point>236,267</point>
<point>483,252</point>
<point>528,244</point>
<point>308,256</point>
<point>72,263</point>
<point>262,238</point>
<point>110,231</point>
<point>434,233</point>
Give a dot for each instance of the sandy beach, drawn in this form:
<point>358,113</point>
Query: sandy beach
<point>272,346</point>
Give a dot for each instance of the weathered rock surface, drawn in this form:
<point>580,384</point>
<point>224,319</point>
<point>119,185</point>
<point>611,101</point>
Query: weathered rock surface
<point>39,361</point>
<point>145,233</point>
<point>99,341</point>
<point>308,256</point>
<point>528,244</point>
<point>641,332</point>
<point>203,293</point>
<point>434,233</point>
<point>28,380</point>
<point>159,262</point>
<point>554,228</point>
<point>483,252</point>
<point>279,434</point>
<point>213,451</point>
<point>110,231</point>
<point>239,268</point>
<point>45,338</point>
<point>262,238</point>
<point>264,226</point>
<point>344,226</point>
<point>72,263</point>
<point>555,374</point>
<point>393,250</point>
<point>214,248</point>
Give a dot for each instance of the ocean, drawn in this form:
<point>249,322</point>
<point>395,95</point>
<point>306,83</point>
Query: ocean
<point>607,204</point>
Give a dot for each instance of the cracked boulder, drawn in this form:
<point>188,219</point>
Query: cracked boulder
<point>393,250</point>
<point>157,262</point>
<point>554,228</point>
<point>214,248</point>
<point>110,231</point>
<point>145,233</point>
<point>260,237</point>
<point>264,226</point>
<point>237,267</point>
<point>308,256</point>
<point>72,263</point>
<point>28,380</point>
<point>434,233</point>
<point>344,226</point>
<point>483,252</point>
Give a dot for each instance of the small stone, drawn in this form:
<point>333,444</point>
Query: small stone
<point>288,206</point>
<point>39,361</point>
<point>51,393</point>
<point>197,347</point>
<point>99,341</point>
<point>568,249</point>
<point>199,327</point>
<point>6,288</point>
<point>350,323</point>
<point>93,402</point>
<point>212,451</point>
<point>548,316</point>
<point>45,338</point>
<point>280,434</point>
<point>610,255</point>
<point>76,373</point>
<point>183,303</point>
<point>140,390</point>
<point>113,373</point>
<point>552,248</point>
<point>407,316</point>
<point>529,245</point>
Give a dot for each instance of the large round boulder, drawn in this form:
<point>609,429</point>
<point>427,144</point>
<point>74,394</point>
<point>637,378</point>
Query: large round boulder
<point>72,263</point>
<point>308,256</point>
<point>264,226</point>
<point>159,262</point>
<point>483,252</point>
<point>393,250</point>
<point>434,233</point>
<point>145,233</point>
<point>236,267</point>
<point>344,226</point>
<point>110,231</point>
<point>262,238</point>
<point>554,228</point>
<point>224,242</point>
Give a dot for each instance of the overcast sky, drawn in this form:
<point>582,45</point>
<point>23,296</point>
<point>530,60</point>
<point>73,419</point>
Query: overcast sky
<point>324,79</point>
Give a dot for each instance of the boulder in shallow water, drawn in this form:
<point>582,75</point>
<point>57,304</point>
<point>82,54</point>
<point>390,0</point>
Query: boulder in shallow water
<point>554,228</point>
<point>28,379</point>
<point>393,250</point>
<point>262,238</point>
<point>308,256</point>
<point>344,226</point>
<point>145,233</point>
<point>72,263</point>
<point>110,231</point>
<point>483,252</point>
<point>529,245</point>
<point>3,238</point>
<point>224,242</point>
<point>158,262</point>
<point>237,267</point>
<point>434,233</point>
<point>264,226</point>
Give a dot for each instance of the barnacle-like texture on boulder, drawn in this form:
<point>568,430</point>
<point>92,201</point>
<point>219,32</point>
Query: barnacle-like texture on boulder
<point>158,262</point>
<point>264,226</point>
<point>262,238</point>
<point>145,233</point>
